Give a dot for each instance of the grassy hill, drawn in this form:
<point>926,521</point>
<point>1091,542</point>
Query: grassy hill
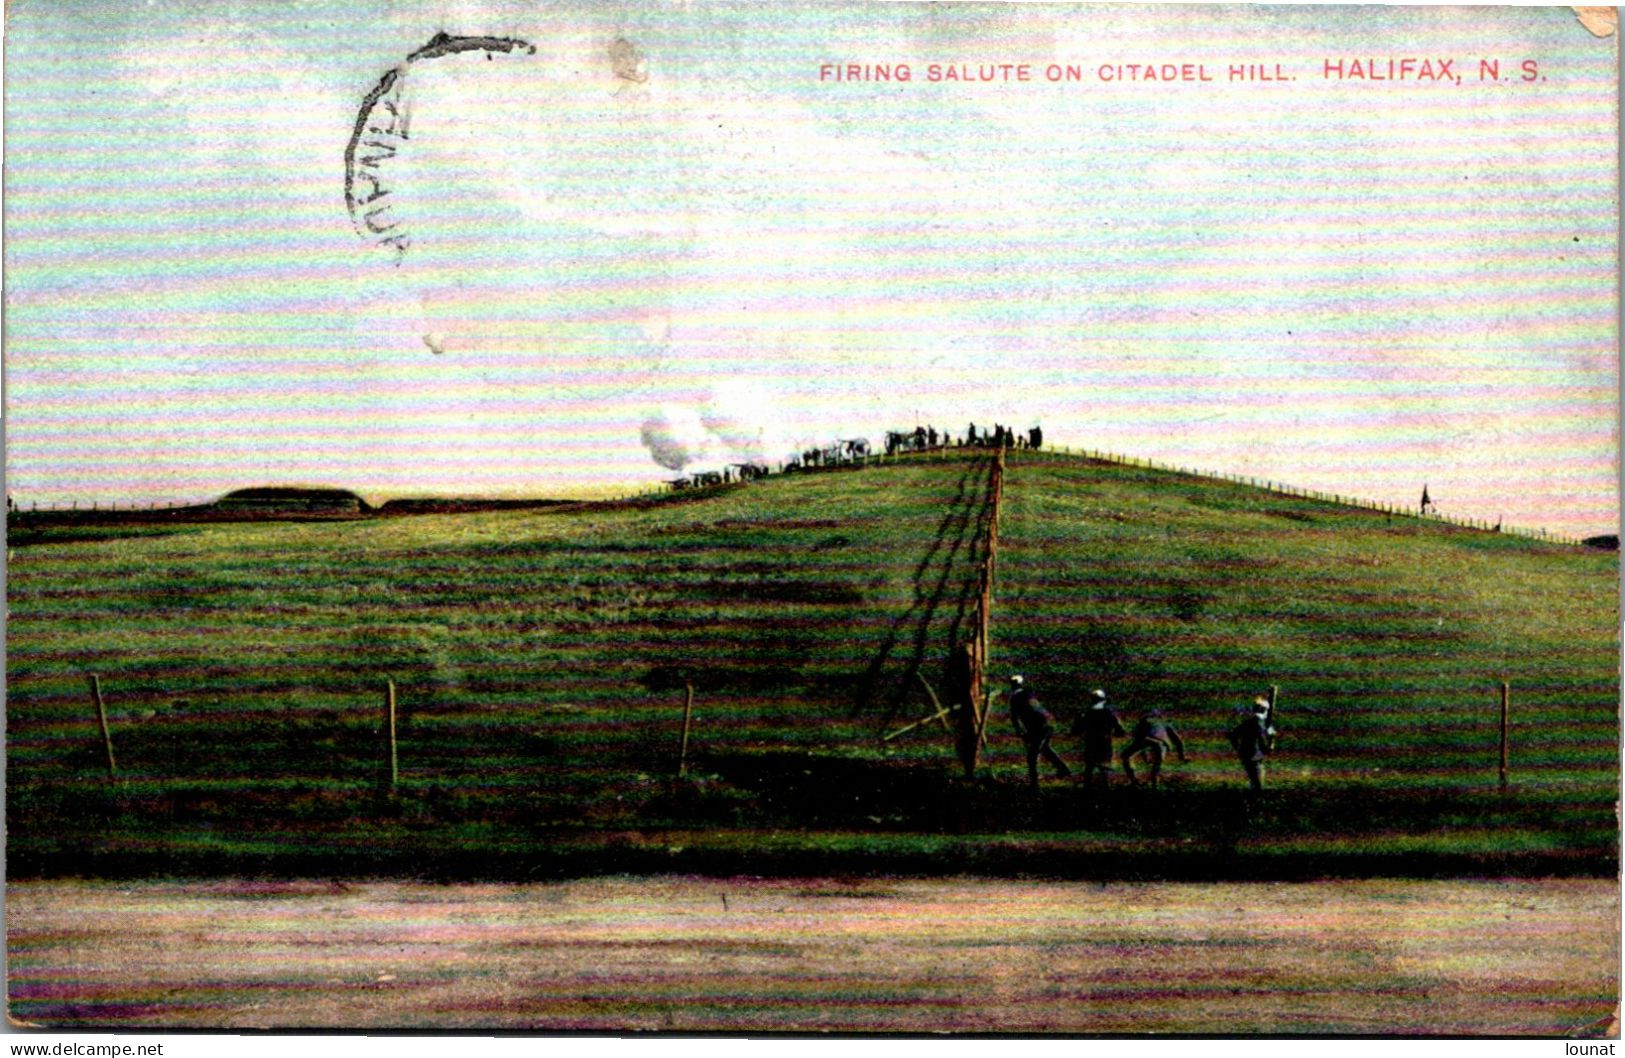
<point>541,659</point>
<point>1389,636</point>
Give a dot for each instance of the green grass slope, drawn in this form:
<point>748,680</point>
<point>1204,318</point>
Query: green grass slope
<point>1389,636</point>
<point>541,659</point>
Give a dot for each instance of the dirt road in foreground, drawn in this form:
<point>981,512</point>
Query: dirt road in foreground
<point>1512,957</point>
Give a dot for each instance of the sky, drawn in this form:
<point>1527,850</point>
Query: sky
<point>664,233</point>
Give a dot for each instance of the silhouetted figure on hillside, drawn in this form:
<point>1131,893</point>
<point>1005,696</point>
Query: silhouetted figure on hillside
<point>1153,737</point>
<point>1097,726</point>
<point>1253,738</point>
<point>1036,727</point>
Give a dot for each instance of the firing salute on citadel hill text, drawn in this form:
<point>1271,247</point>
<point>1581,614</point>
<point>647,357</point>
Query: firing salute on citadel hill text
<point>1138,70</point>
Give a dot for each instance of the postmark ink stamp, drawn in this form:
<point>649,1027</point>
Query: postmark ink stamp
<point>382,128</point>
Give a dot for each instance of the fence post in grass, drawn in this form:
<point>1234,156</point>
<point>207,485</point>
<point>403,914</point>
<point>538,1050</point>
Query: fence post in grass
<point>394,758</point>
<point>101,717</point>
<point>1506,694</point>
<point>962,679</point>
<point>688,713</point>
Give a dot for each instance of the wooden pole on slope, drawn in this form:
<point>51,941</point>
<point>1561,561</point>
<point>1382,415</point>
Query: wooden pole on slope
<point>981,728</point>
<point>101,717</point>
<point>990,559</point>
<point>394,755</point>
<point>963,685</point>
<point>688,713</point>
<point>984,617</point>
<point>1506,695</point>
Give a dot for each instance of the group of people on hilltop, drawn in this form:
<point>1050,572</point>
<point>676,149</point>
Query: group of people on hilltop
<point>1153,737</point>
<point>1001,436</point>
<point>924,438</point>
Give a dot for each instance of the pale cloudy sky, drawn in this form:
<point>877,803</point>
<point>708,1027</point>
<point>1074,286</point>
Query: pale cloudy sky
<point>1348,285</point>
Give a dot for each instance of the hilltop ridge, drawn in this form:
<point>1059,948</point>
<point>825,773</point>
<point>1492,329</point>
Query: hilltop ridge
<point>540,657</point>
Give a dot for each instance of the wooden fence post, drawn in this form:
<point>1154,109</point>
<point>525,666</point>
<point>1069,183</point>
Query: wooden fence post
<point>984,612</point>
<point>1506,694</point>
<point>101,717</point>
<point>960,684</point>
<point>688,712</point>
<point>394,758</point>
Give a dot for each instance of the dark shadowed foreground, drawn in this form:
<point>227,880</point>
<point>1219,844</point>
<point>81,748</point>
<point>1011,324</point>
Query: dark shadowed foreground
<point>675,954</point>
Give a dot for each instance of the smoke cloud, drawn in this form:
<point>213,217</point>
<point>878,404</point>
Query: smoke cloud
<point>735,422</point>
<point>676,438</point>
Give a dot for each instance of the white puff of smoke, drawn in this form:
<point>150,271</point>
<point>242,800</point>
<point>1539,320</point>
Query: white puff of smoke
<point>676,437</point>
<point>743,417</point>
<point>736,422</point>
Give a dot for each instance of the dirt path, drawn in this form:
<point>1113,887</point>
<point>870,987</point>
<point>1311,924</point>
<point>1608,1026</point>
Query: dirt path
<point>1514,957</point>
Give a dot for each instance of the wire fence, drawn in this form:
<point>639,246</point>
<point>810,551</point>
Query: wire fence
<point>99,507</point>
<point>1280,488</point>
